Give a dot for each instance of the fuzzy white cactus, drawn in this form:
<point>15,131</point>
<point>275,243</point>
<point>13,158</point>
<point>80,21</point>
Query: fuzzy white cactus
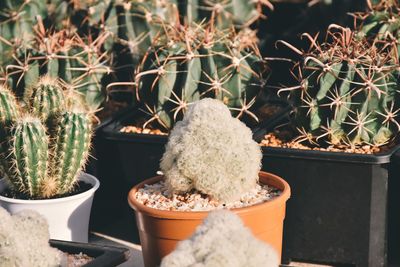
<point>222,240</point>
<point>24,241</point>
<point>212,152</point>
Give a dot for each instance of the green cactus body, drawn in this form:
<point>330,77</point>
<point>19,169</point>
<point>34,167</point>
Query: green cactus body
<point>29,156</point>
<point>347,98</point>
<point>70,148</point>
<point>46,99</point>
<point>175,75</point>
<point>8,107</point>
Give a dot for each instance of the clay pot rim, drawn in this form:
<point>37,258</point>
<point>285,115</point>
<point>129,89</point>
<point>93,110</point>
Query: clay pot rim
<point>139,207</point>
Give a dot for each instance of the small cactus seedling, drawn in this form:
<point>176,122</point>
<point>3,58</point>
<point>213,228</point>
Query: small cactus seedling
<point>48,143</point>
<point>348,92</point>
<point>197,155</point>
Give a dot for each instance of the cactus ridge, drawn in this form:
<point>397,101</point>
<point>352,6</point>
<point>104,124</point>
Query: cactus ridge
<point>348,93</point>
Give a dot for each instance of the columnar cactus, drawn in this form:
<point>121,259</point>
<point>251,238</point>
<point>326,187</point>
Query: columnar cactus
<point>222,240</point>
<point>8,106</point>
<point>348,92</point>
<point>44,151</point>
<point>71,148</point>
<point>197,155</point>
<point>29,154</point>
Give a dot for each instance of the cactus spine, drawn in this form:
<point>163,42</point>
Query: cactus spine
<point>29,152</point>
<point>71,148</point>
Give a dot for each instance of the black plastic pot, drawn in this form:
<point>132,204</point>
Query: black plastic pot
<point>122,161</point>
<point>104,256</point>
<point>337,213</point>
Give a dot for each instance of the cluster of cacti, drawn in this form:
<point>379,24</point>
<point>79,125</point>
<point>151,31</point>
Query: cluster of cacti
<point>348,92</point>
<point>32,46</point>
<point>212,152</point>
<point>222,240</point>
<point>24,241</point>
<point>191,62</point>
<point>45,141</point>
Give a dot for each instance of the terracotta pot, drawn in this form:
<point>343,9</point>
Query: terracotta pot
<point>161,230</point>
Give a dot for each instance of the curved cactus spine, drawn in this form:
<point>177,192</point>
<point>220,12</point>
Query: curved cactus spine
<point>71,148</point>
<point>46,99</point>
<point>29,156</point>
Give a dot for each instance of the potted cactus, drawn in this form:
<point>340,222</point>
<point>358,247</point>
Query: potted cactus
<point>346,102</point>
<point>187,60</point>
<point>44,144</point>
<point>198,166</point>
<point>223,241</point>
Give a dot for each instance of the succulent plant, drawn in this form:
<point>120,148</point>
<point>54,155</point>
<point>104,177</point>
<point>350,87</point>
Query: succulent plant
<point>348,91</point>
<point>197,155</point>
<point>222,240</point>
<point>47,145</point>
<point>78,61</point>
<point>24,241</point>
<point>193,62</point>
<point>381,24</point>
<point>141,22</point>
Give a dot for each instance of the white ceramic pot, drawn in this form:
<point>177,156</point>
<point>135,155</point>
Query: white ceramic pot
<point>68,217</point>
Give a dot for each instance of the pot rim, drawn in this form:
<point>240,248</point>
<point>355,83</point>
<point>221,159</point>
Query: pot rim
<point>139,207</point>
<point>82,177</point>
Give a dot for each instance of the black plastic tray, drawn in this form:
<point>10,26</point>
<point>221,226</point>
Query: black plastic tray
<point>104,256</point>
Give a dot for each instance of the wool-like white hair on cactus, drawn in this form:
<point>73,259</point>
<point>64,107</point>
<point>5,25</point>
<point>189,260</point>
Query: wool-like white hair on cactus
<point>222,241</point>
<point>24,241</point>
<point>212,152</point>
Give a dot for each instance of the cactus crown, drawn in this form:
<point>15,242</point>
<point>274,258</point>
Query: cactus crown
<point>222,240</point>
<point>45,146</point>
<point>197,155</point>
<point>348,92</point>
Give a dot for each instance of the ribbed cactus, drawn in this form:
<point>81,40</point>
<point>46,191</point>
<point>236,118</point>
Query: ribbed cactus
<point>348,92</point>
<point>48,145</point>
<point>46,99</point>
<point>71,148</point>
<point>199,61</point>
<point>29,155</point>
<point>381,19</point>
<point>78,61</point>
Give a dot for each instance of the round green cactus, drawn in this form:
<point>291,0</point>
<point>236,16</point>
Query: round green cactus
<point>348,93</point>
